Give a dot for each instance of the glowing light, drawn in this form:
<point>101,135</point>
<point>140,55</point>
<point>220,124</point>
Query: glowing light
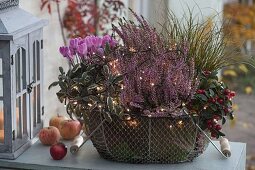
<point>104,57</point>
<point>183,104</point>
<point>128,110</point>
<point>100,106</point>
<point>171,126</point>
<point>133,123</point>
<point>180,122</point>
<point>162,110</point>
<point>140,78</point>
<point>89,104</point>
<point>93,53</point>
<point>152,84</point>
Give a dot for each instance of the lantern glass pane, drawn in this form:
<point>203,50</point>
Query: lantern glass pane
<point>17,68</point>
<point>24,112</point>
<point>24,64</point>
<point>18,118</point>
<point>38,59</point>
<point>1,86</point>
<point>38,104</point>
<point>1,66</point>
<point>34,62</point>
<point>1,122</point>
<point>34,106</point>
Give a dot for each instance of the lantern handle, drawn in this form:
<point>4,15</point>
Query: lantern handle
<point>30,87</point>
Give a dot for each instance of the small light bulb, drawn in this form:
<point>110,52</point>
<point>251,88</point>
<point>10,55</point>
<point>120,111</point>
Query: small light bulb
<point>140,78</point>
<point>152,84</point>
<point>162,110</point>
<point>128,110</point>
<point>180,122</point>
<point>89,104</point>
<point>170,126</point>
<point>99,106</point>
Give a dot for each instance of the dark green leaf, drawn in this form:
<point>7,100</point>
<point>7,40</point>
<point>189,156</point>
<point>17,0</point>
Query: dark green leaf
<point>202,97</point>
<point>223,120</point>
<point>63,85</point>
<point>118,79</point>
<point>211,92</point>
<point>75,68</point>
<point>110,103</point>
<point>61,70</point>
<point>107,48</point>
<point>53,84</point>
<point>106,70</point>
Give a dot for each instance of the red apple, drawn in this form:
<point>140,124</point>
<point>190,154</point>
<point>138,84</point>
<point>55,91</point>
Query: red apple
<point>55,121</point>
<point>49,135</point>
<point>58,151</point>
<point>69,129</point>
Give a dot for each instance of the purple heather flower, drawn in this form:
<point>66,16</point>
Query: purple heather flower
<point>65,51</point>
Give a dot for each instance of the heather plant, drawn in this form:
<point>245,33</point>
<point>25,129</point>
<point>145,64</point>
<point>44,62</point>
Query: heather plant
<point>157,77</point>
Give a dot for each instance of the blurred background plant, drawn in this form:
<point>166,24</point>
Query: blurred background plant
<point>85,17</point>
<point>240,31</point>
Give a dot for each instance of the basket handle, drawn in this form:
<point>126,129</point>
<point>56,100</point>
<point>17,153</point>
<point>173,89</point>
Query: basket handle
<point>224,154</point>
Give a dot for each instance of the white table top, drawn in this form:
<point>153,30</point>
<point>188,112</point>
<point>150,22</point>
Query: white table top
<point>38,157</point>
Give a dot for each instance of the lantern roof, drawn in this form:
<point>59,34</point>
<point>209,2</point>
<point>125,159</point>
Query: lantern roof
<point>15,22</point>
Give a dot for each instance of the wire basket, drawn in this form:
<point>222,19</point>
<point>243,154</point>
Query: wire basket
<point>143,139</point>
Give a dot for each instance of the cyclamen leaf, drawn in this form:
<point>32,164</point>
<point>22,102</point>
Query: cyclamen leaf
<point>75,68</point>
<point>53,84</point>
<point>106,70</point>
<point>110,103</point>
<point>61,70</point>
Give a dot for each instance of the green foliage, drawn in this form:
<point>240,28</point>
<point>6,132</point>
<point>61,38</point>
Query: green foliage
<point>88,88</point>
<point>205,39</point>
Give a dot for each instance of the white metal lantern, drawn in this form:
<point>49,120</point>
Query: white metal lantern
<point>21,93</point>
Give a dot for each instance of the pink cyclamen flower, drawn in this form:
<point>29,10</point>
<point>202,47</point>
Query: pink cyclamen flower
<point>82,49</point>
<point>65,51</point>
<point>73,45</point>
<point>108,39</point>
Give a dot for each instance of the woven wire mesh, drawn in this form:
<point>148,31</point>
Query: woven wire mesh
<point>148,139</point>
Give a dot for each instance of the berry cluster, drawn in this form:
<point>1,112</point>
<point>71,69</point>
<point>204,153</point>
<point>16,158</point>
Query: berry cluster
<point>212,102</point>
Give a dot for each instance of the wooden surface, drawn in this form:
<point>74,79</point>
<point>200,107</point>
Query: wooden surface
<point>38,157</point>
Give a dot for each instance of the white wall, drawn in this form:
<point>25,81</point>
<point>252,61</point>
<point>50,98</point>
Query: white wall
<point>52,59</point>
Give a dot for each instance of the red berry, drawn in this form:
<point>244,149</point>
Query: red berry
<point>206,73</point>
<point>213,135</point>
<point>209,126</point>
<point>216,117</point>
<point>212,100</point>
<point>218,127</point>
<point>200,91</point>
<point>209,122</point>
<point>220,101</point>
<point>232,94</point>
<point>226,91</point>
